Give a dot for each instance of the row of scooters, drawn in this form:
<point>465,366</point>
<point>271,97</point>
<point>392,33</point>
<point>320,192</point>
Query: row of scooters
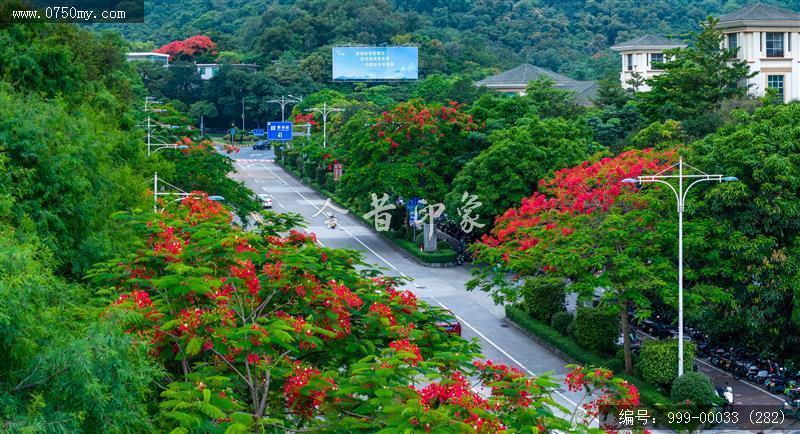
<point>775,378</point>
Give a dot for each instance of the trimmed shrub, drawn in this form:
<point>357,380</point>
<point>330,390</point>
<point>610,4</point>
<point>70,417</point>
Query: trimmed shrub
<point>278,152</point>
<point>441,256</point>
<point>616,365</point>
<point>694,387</point>
<point>596,328</point>
<point>647,393</point>
<point>543,297</point>
<point>658,361</point>
<point>330,185</point>
<point>560,321</point>
<point>571,328</point>
<point>320,176</point>
<point>310,169</point>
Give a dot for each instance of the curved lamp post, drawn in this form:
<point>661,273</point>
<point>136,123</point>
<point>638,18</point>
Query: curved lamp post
<point>680,196</point>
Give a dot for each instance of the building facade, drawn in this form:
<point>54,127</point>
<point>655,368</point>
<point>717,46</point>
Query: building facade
<point>642,59</point>
<point>766,37</point>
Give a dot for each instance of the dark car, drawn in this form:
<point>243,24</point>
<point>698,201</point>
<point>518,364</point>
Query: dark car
<point>657,329</point>
<point>261,145</point>
<point>636,341</point>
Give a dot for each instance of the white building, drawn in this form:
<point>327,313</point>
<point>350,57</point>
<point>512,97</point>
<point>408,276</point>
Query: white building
<point>148,56</point>
<point>767,38</point>
<point>642,59</point>
<point>208,71</point>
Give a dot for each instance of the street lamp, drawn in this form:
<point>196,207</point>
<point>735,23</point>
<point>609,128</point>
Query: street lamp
<point>680,196</point>
<point>283,101</point>
<point>325,111</point>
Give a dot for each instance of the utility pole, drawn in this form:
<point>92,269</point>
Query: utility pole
<point>242,114</point>
<point>325,111</point>
<point>283,101</point>
<point>680,195</point>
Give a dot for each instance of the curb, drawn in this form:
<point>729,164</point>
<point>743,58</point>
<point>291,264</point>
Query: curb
<point>390,241</point>
<point>541,342</point>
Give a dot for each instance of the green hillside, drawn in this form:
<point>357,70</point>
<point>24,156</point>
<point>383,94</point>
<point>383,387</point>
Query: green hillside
<point>568,36</point>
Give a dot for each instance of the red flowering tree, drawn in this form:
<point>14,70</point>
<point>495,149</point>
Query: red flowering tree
<point>262,332</point>
<point>415,149</point>
<point>190,48</point>
<point>588,227</point>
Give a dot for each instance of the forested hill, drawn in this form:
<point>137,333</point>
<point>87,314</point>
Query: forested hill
<point>569,36</point>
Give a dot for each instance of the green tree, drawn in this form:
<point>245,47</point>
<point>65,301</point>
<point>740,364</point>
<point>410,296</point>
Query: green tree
<point>508,170</point>
<point>695,81</point>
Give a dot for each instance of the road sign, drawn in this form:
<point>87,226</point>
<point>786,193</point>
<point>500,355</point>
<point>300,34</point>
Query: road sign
<point>258,132</point>
<point>413,212</point>
<point>337,171</point>
<point>233,132</point>
<point>279,131</point>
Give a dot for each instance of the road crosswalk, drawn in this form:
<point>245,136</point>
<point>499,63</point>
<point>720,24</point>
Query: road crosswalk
<point>253,160</point>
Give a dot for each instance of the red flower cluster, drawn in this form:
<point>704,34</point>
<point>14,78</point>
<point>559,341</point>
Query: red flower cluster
<point>406,346</point>
<point>246,271</point>
<point>405,298</point>
<point>168,242</point>
<point>411,124</point>
<point>140,298</point>
<point>501,378</point>
<point>583,189</point>
<point>189,48</point>
<point>456,391</point>
<point>307,118</point>
<point>383,311</point>
<point>301,398</point>
<point>202,208</point>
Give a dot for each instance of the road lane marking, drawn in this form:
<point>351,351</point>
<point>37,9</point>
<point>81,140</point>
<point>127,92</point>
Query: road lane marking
<point>510,357</point>
<point>256,181</point>
<point>342,227</point>
<point>281,205</point>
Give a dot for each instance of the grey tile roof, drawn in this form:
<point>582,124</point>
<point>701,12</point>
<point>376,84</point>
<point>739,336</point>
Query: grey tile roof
<point>760,12</point>
<point>585,91</point>
<point>649,41</point>
<point>521,76</point>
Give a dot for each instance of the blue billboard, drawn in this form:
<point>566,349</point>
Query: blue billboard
<point>279,131</point>
<point>375,63</point>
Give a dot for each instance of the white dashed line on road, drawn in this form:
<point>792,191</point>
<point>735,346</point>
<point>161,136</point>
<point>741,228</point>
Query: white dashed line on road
<point>510,357</point>
<point>318,209</point>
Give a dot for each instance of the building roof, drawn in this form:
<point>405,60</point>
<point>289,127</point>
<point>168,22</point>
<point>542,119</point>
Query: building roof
<point>146,53</point>
<point>759,12</point>
<point>521,76</point>
<point>585,91</point>
<point>648,42</point>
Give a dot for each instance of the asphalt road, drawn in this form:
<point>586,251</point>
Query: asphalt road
<point>479,316</point>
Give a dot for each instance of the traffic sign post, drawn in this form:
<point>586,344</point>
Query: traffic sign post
<point>337,171</point>
<point>279,131</point>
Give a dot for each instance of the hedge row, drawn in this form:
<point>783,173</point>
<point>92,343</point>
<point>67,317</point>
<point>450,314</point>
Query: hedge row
<point>648,394</point>
<point>441,256</point>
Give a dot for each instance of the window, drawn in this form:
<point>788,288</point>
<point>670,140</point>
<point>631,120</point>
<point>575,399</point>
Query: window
<point>630,62</point>
<point>733,43</point>
<point>775,82</point>
<point>656,60</point>
<point>774,44</point>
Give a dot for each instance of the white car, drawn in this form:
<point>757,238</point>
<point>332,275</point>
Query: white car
<point>266,201</point>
